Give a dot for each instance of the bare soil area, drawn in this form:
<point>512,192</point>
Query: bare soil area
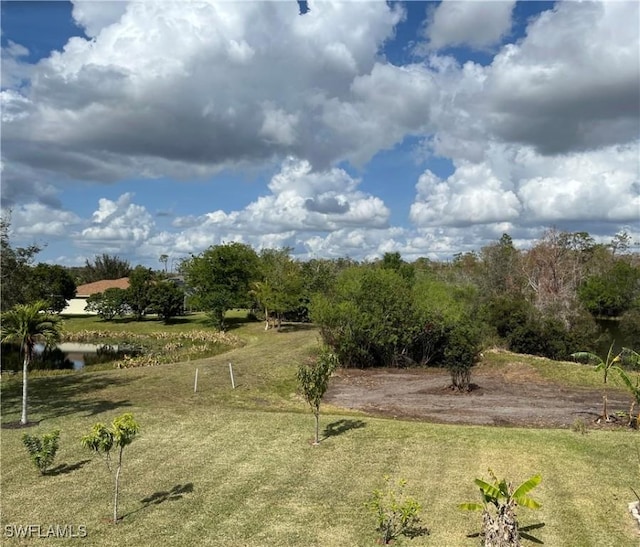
<point>509,396</point>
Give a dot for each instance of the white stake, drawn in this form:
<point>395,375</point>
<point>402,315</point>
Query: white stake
<point>195,385</point>
<point>233,383</point>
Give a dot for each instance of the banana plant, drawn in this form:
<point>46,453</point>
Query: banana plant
<point>601,365</point>
<point>634,357</point>
<point>501,529</point>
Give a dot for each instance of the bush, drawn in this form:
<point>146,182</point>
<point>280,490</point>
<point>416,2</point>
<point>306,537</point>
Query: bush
<point>368,320</point>
<point>461,352</point>
<point>42,451</point>
<point>396,514</point>
<point>507,313</point>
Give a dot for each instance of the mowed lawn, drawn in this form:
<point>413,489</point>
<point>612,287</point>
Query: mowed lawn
<point>236,467</point>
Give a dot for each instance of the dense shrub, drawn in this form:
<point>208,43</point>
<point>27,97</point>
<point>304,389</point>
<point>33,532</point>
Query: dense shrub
<point>461,350</point>
<point>612,293</point>
<point>507,313</point>
<point>369,320</point>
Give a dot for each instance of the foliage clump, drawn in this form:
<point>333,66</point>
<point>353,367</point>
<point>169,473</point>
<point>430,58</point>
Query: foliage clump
<point>396,513</point>
<point>42,451</point>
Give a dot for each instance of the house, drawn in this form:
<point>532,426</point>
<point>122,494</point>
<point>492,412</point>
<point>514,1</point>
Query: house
<point>76,305</point>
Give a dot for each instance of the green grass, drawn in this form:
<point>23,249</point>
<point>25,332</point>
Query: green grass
<point>76,323</point>
<point>236,468</point>
<point>567,373</point>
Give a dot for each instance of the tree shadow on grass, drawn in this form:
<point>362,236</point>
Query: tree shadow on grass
<point>416,531</point>
<point>296,327</point>
<point>65,468</point>
<point>342,426</point>
<point>523,533</point>
<point>176,493</point>
<point>53,397</point>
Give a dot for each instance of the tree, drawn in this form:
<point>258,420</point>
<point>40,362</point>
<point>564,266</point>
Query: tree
<point>102,440</point>
<point>280,290</point>
<point>167,300</point>
<point>105,266</point>
<point>313,379</point>
<point>613,292</point>
<point>499,501</point>
<point>138,295</point>
<point>501,270</point>
<point>26,325</point>
<point>393,261</point>
<point>164,258</point>
<point>51,283</point>
<point>555,268</point>
<point>220,278</point>
<point>15,271</point>
<point>108,304</point>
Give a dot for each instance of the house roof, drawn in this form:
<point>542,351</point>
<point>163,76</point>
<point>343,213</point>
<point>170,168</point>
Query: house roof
<point>100,286</point>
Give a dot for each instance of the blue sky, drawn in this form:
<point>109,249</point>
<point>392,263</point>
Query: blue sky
<point>358,128</point>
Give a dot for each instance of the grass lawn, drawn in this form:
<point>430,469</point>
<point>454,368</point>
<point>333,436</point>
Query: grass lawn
<point>236,467</point>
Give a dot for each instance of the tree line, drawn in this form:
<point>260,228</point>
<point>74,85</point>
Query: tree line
<point>546,300</point>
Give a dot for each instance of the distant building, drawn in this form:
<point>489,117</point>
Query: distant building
<point>76,305</point>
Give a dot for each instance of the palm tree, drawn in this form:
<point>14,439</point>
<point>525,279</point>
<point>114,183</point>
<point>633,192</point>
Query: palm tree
<point>26,325</point>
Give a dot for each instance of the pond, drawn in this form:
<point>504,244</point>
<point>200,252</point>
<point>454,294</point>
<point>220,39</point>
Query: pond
<point>64,356</point>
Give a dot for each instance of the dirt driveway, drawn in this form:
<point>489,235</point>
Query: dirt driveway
<point>506,397</point>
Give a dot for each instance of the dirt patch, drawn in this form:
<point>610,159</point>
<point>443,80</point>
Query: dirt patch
<point>513,396</point>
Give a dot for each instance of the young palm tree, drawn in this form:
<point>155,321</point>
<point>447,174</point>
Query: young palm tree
<point>26,325</point>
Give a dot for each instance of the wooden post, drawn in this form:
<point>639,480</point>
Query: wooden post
<point>233,383</point>
<point>195,384</point>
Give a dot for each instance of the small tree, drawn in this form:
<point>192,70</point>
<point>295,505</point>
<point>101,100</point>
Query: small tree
<point>102,439</point>
<point>499,501</point>
<point>605,366</point>
<point>167,300</point>
<point>313,379</point>
<point>138,295</point>
<point>42,451</point>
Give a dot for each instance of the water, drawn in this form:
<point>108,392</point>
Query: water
<point>65,356</point>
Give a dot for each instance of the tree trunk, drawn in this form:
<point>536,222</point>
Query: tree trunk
<point>115,497</point>
<point>605,411</point>
<point>25,369</point>
<point>316,414</point>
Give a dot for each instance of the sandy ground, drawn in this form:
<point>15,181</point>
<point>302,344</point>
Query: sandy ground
<point>508,397</point>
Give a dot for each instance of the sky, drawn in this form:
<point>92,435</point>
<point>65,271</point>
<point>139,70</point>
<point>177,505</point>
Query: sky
<point>337,129</point>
